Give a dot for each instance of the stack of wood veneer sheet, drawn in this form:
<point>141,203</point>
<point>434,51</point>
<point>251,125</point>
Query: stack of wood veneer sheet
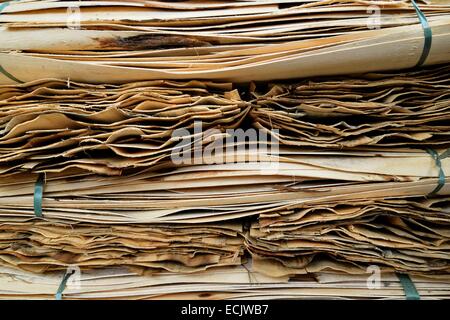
<point>144,204</point>
<point>239,41</point>
<point>230,283</point>
<point>107,128</point>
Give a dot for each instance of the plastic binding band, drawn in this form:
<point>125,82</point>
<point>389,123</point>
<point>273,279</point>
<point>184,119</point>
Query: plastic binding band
<point>2,70</point>
<point>426,32</point>
<point>9,75</point>
<point>408,286</point>
<point>38,195</point>
<point>62,286</point>
<point>4,5</point>
<point>437,158</point>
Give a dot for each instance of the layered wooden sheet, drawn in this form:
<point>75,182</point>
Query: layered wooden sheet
<point>223,283</point>
<point>382,109</point>
<point>43,246</point>
<point>410,236</point>
<point>240,41</point>
<point>107,128</point>
<point>53,125</point>
<point>224,191</point>
<point>355,175</point>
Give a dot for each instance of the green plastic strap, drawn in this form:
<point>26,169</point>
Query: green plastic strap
<point>437,158</point>
<point>426,32</point>
<point>2,70</point>
<point>3,6</point>
<point>408,286</point>
<point>9,75</point>
<point>62,285</point>
<point>38,195</point>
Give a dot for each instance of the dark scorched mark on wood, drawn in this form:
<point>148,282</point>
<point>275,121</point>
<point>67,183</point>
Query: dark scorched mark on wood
<point>144,42</point>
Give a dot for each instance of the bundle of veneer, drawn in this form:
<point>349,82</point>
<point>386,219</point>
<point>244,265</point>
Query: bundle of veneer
<point>239,41</point>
